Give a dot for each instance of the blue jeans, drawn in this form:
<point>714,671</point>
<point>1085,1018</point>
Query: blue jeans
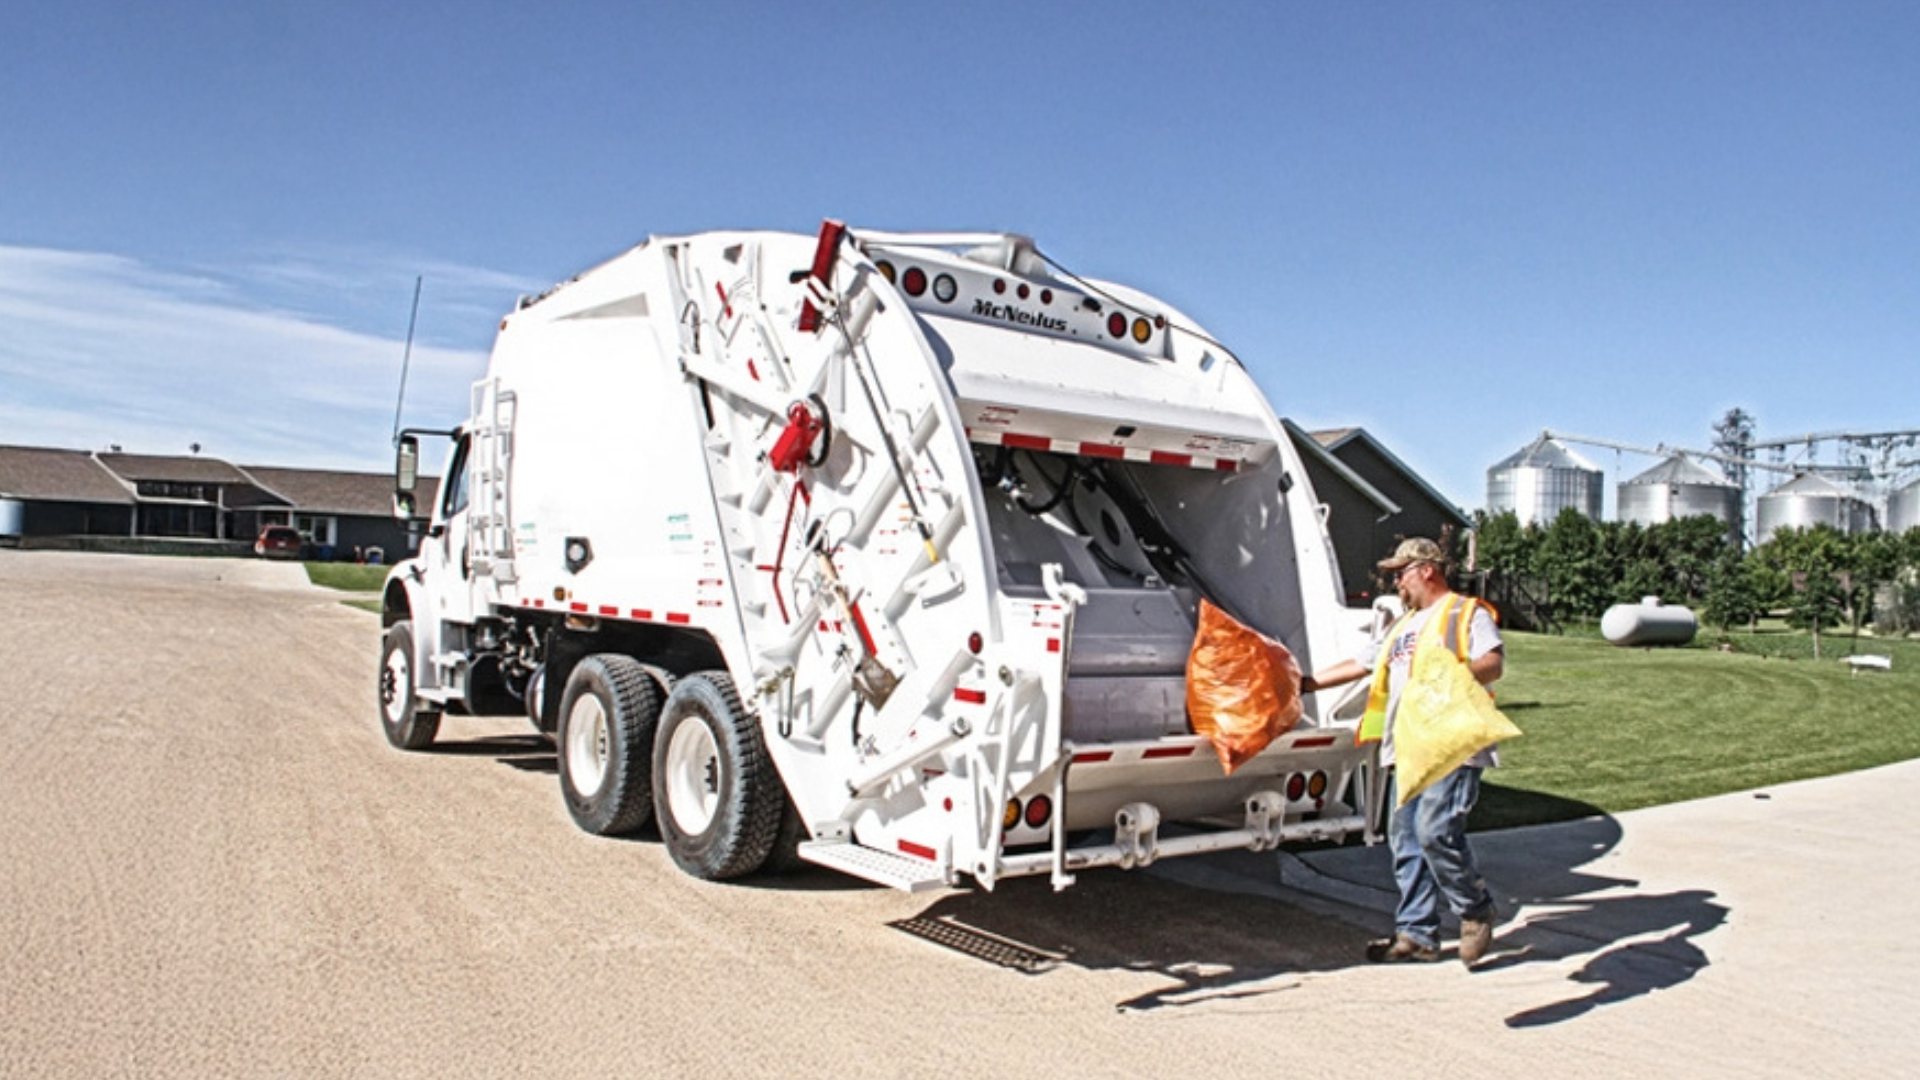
<point>1431,858</point>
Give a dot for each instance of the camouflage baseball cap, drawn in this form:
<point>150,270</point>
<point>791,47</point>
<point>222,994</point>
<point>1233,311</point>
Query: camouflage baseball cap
<point>1413,550</point>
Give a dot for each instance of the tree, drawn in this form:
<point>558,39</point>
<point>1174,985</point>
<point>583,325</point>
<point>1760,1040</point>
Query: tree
<point>1731,598</point>
<point>1505,547</point>
<point>1568,557</point>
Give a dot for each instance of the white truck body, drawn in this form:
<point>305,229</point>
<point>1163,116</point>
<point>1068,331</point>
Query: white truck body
<point>955,620</point>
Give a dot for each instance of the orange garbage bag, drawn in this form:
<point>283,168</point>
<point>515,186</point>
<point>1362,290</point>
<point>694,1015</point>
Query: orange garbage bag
<point>1243,688</point>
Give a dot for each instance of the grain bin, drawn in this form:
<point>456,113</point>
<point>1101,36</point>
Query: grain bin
<point>1903,510</point>
<point>1808,500</point>
<point>1543,479</point>
<point>1679,488</point>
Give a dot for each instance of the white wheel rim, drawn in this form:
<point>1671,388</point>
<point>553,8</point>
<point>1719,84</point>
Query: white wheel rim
<point>693,776</point>
<point>587,745</point>
<point>396,687</point>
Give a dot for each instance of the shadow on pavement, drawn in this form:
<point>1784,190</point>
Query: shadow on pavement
<point>1646,945</point>
<point>1198,945</point>
<point>1558,909</point>
<point>1242,925</point>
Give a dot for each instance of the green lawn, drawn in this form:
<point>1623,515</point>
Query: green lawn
<point>347,577</point>
<point>1611,729</point>
<point>351,578</point>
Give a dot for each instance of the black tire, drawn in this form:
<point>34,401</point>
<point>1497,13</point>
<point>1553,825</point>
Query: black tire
<point>716,796</point>
<point>785,858</point>
<point>408,724</point>
<point>605,740</point>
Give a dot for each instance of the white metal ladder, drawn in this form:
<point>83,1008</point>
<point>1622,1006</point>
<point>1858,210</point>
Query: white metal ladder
<point>490,519</point>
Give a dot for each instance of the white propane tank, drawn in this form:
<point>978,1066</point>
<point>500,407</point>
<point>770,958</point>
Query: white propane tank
<point>1648,622</point>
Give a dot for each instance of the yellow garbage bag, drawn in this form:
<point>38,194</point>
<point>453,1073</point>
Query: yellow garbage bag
<point>1243,688</point>
<point>1445,717</point>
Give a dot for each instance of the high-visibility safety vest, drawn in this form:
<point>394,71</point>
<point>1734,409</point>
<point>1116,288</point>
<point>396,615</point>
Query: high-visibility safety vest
<point>1449,627</point>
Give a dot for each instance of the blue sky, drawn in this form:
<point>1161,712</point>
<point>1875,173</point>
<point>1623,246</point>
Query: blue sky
<point>1454,224</point>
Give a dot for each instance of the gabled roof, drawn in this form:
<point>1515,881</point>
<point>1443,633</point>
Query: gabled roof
<point>324,491</point>
<point>49,474</point>
<point>1334,439</point>
<point>1311,444</point>
<point>38,472</point>
<point>192,470</point>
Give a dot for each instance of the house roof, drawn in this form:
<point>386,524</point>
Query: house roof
<point>324,491</point>
<point>38,472</point>
<point>1312,444</point>
<point>56,475</point>
<point>193,470</point>
<point>1336,438</point>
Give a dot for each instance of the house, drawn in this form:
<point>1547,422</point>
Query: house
<point>339,511</point>
<point>47,492</point>
<point>1373,501</point>
<point>77,498</point>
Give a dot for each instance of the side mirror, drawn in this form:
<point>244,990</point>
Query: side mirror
<point>406,465</point>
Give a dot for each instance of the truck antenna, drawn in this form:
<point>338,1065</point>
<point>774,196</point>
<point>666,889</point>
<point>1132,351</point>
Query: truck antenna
<point>406,359</point>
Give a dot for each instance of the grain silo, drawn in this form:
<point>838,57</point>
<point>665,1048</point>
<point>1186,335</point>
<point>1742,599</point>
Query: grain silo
<point>1808,500</point>
<point>1679,488</point>
<point>1543,479</point>
<point>1903,510</point>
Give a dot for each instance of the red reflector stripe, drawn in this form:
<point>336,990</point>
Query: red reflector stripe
<point>1053,644</point>
<point>918,851</point>
<point>1314,743</point>
<point>609,609</point>
<point>1026,442</point>
<point>1161,457</point>
<point>1169,751</point>
<point>1226,466</point>
<point>1102,450</point>
<point>577,607</point>
<point>641,613</point>
<point>679,617</point>
<point>1093,755</point>
<point>971,697</point>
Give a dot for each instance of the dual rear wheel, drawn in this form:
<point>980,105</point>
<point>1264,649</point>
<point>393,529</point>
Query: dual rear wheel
<point>691,760</point>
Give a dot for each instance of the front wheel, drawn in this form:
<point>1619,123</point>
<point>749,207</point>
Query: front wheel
<point>408,725</point>
<point>607,720</point>
<point>716,795</point>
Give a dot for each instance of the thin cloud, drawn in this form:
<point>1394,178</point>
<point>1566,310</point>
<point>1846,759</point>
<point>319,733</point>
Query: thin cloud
<point>105,350</point>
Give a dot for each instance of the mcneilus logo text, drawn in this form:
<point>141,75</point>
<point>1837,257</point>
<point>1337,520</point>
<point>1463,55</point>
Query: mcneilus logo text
<point>1009,313</point>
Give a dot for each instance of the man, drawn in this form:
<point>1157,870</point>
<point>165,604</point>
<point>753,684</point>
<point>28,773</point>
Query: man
<point>1428,836</point>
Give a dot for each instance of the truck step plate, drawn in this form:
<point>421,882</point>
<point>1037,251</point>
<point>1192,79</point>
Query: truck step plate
<point>879,867</point>
<point>945,930</point>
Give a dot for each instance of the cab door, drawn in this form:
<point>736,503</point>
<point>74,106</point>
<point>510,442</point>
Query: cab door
<point>447,549</point>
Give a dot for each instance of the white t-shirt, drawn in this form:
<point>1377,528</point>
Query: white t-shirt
<point>1483,637</point>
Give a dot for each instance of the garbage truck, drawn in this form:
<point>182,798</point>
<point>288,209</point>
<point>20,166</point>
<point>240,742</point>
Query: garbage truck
<point>879,551</point>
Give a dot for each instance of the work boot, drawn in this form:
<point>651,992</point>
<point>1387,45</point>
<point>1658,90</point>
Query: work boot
<point>1476,937</point>
<point>1400,949</point>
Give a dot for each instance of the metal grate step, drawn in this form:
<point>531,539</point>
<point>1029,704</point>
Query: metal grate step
<point>951,933</point>
<point>879,867</point>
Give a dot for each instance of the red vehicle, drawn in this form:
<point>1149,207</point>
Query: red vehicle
<point>279,542</point>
